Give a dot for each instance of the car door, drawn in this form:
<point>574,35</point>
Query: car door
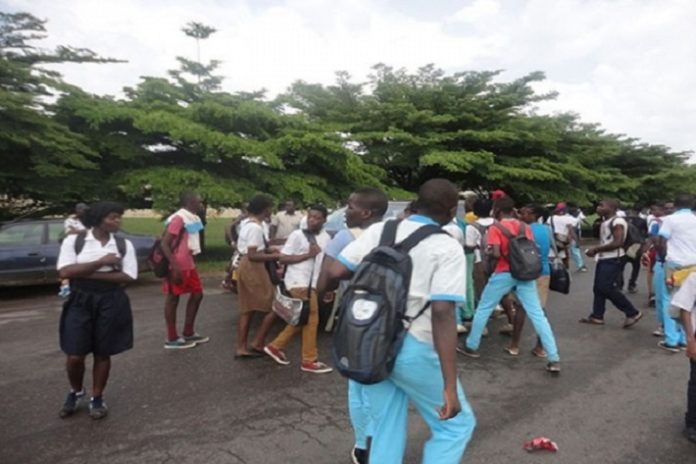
<point>51,249</point>
<point>21,254</point>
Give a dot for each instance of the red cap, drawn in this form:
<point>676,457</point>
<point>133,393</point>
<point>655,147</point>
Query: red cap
<point>497,194</point>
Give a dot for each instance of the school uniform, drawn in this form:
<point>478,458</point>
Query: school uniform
<point>439,274</point>
<point>685,299</point>
<point>97,317</point>
<point>609,266</point>
<point>473,248</point>
<point>501,283</point>
<point>254,287</point>
<point>297,281</point>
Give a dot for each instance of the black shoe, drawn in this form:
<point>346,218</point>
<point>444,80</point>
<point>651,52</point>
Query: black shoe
<point>97,408</point>
<point>359,456</point>
<point>632,289</point>
<point>72,402</point>
<point>690,434</point>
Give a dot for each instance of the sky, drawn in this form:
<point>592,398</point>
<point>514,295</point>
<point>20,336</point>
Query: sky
<point>629,65</point>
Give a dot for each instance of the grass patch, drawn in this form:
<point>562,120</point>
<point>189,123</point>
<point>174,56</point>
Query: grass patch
<point>217,252</point>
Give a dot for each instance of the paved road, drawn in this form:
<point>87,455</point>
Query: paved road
<point>618,400</point>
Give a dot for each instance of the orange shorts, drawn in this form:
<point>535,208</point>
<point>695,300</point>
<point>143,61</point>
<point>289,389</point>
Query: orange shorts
<point>190,283</point>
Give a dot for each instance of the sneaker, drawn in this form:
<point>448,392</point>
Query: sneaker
<point>64,291</point>
<point>466,351</point>
<point>358,456</point>
<point>659,332</point>
<point>583,269</point>
<point>97,408</point>
<point>690,434</point>
<point>178,344</point>
<point>72,402</point>
<point>666,347</point>
<point>196,338</point>
<point>316,367</point>
<point>276,354</point>
<point>485,332</point>
<point>554,367</point>
<point>632,289</point>
<point>461,329</point>
<point>631,321</point>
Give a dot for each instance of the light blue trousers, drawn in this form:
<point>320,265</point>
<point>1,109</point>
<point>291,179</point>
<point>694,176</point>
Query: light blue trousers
<point>358,409</point>
<point>500,285</point>
<point>577,255</point>
<point>417,377</point>
<point>674,332</point>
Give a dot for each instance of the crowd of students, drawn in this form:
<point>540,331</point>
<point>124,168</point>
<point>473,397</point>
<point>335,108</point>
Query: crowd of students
<point>460,278</point>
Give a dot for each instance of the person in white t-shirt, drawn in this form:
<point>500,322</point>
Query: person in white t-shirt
<point>564,228</point>
<point>684,300</point>
<point>426,367</point>
<point>72,225</point>
<point>609,254</point>
<point>303,255</point>
<point>474,241</point>
<point>285,222</point>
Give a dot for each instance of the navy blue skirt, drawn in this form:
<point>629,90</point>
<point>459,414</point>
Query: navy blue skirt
<point>96,318</point>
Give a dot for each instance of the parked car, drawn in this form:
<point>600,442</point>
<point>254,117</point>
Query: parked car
<point>337,220</point>
<point>29,251</point>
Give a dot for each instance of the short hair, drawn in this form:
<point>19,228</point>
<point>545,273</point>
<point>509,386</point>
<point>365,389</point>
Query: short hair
<point>482,207</point>
<point>373,199</point>
<point>437,196</point>
<point>684,200</point>
<point>613,203</point>
<point>321,208</point>
<point>538,210</point>
<point>81,207</point>
<point>259,203</point>
<point>96,212</point>
<point>504,204</point>
<point>186,197</point>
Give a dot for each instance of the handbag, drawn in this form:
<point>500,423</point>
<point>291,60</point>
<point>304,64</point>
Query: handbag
<point>294,311</point>
<point>559,280</point>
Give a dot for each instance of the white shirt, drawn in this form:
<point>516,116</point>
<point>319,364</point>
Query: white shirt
<point>297,275</point>
<point>473,236</point>
<point>685,297</point>
<point>251,235</point>
<point>439,269</point>
<point>455,231</point>
<point>560,224</point>
<point>606,236</point>
<point>93,251</point>
<point>286,223</point>
<point>680,231</point>
<point>74,223</point>
<point>621,213</point>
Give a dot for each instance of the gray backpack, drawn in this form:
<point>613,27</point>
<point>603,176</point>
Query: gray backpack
<point>373,322</point>
<point>523,253</point>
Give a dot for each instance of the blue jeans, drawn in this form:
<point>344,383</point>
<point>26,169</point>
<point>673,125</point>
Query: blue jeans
<point>674,332</point>
<point>605,288</point>
<point>359,416</point>
<point>498,286</point>
<point>577,255</point>
<point>417,377</point>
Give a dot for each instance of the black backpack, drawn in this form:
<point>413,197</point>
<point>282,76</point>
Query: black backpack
<point>634,238</point>
<point>523,253</point>
<point>487,259</point>
<point>373,322</point>
<point>80,243</point>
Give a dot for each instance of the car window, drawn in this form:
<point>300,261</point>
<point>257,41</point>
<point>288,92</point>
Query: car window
<point>56,232</point>
<point>21,235</point>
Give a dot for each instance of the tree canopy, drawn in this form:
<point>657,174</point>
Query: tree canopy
<point>60,144</point>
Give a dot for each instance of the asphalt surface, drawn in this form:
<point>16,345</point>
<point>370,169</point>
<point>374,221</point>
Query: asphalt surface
<point>618,400</point>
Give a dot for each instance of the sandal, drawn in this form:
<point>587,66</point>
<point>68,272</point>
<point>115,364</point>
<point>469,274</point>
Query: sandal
<point>539,355</point>
<point>591,320</point>
<point>512,351</point>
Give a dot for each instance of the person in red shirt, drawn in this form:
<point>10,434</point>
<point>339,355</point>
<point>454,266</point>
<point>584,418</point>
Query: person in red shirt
<point>502,282</point>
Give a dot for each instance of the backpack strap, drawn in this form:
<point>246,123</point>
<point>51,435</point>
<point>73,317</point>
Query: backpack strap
<point>498,225</point>
<point>523,230</point>
<point>80,242</point>
<point>388,237</point>
<point>121,245</point>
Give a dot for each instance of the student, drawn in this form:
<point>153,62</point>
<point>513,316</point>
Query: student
<point>255,288</point>
<point>685,299</point>
<point>580,218</point>
<point>677,243</point>
<point>502,282</point>
<point>366,206</point>
<point>303,255</point>
<point>180,244</point>
<point>426,367</point>
<point>564,226</point>
<point>530,215</point>
<point>641,225</point>
<point>285,222</point>
<point>97,318</point>
<point>475,234</point>
<point>72,225</point>
<point>609,254</point>
<point>466,313</point>
<point>231,237</point>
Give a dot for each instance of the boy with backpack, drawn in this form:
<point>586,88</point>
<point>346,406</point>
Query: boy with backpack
<point>408,277</point>
<point>609,255</point>
<point>519,265</point>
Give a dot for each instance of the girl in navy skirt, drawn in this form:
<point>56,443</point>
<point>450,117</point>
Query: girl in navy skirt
<point>97,317</point>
